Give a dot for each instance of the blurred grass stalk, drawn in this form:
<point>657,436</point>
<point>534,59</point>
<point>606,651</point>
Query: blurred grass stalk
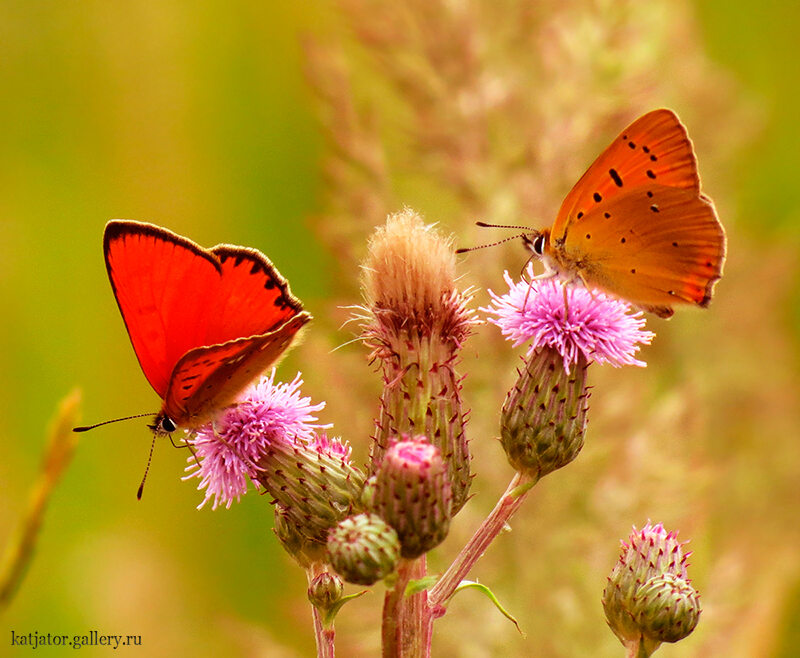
<point>58,455</point>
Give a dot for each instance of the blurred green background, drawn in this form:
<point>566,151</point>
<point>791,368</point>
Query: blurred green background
<point>198,116</point>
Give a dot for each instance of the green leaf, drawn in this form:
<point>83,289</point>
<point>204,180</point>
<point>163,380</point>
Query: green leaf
<point>420,585</point>
<point>330,614</point>
<point>490,595</point>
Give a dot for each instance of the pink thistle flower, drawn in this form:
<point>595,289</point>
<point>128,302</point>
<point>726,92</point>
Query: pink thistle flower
<point>595,325</point>
<point>229,448</point>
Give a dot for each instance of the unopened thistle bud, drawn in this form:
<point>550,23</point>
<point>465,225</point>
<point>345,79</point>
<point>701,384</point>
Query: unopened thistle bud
<point>667,608</point>
<point>413,494</point>
<point>415,324</point>
<point>648,598</point>
<point>314,483</point>
<point>545,414</point>
<point>363,549</point>
<point>325,590</point>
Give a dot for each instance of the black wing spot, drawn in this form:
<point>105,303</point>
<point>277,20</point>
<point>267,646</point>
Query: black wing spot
<point>580,214</point>
<point>632,145</point>
<point>674,244</point>
<point>588,236</point>
<point>650,173</point>
<point>239,259</point>
<point>649,194</point>
<point>269,284</point>
<point>596,196</point>
<point>653,158</point>
<point>646,149</point>
<point>186,387</point>
<point>280,302</point>
<point>654,208</point>
<point>222,257</point>
<point>622,240</point>
<point>709,264</point>
<point>257,267</point>
<point>615,177</point>
<point>624,137</point>
<point>671,292</point>
<point>607,215</point>
<point>633,270</point>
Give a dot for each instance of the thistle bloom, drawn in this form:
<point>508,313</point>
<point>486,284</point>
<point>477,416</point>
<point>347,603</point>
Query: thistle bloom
<point>228,449</point>
<point>593,325</point>
<point>544,415</point>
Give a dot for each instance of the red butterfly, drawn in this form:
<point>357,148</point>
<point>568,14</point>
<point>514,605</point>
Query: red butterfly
<point>203,322</point>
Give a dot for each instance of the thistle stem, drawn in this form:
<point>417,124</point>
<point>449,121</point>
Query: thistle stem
<point>492,526</point>
<point>394,611</point>
<point>324,637</point>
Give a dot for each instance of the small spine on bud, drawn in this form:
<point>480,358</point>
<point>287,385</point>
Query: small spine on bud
<point>415,324</point>
<point>363,549</point>
<point>413,494</point>
<point>648,598</point>
<point>544,416</point>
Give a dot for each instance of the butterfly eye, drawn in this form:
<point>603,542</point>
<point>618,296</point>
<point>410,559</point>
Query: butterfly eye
<point>168,425</point>
<point>538,244</point>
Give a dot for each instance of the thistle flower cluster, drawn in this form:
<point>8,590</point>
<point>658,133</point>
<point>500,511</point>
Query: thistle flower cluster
<point>343,524</point>
<point>649,598</point>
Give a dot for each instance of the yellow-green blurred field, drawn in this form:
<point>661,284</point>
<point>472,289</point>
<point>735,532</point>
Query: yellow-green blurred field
<point>295,130</point>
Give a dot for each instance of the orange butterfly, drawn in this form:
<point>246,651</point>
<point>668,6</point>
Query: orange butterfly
<point>636,224</point>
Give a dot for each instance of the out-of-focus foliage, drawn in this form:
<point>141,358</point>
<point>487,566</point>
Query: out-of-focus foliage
<point>295,131</point>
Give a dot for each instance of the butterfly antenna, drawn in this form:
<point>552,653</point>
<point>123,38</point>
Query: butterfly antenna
<point>86,428</point>
<point>464,250</point>
<point>485,225</point>
<point>146,469</point>
<point>527,230</point>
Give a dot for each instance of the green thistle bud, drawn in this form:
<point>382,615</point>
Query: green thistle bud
<point>363,549</point>
<point>646,599</point>
<point>325,590</point>
<point>412,492</point>
<point>544,415</point>
<point>666,608</point>
<point>305,552</point>
<point>415,323</point>
<point>314,483</point>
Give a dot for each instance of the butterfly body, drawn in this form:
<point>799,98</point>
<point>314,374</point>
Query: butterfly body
<point>203,322</point>
<point>636,224</point>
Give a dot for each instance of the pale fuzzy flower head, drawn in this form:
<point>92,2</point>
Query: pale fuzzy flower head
<point>229,448</point>
<point>409,265</point>
<point>600,327</point>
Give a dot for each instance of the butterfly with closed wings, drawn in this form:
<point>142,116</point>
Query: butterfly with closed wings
<point>636,224</point>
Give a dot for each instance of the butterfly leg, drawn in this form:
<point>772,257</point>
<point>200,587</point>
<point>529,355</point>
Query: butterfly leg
<point>547,274</point>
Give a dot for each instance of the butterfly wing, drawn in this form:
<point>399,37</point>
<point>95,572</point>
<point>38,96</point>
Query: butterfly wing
<point>252,298</point>
<point>207,378</point>
<point>654,246</point>
<point>154,274</point>
<point>654,149</point>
